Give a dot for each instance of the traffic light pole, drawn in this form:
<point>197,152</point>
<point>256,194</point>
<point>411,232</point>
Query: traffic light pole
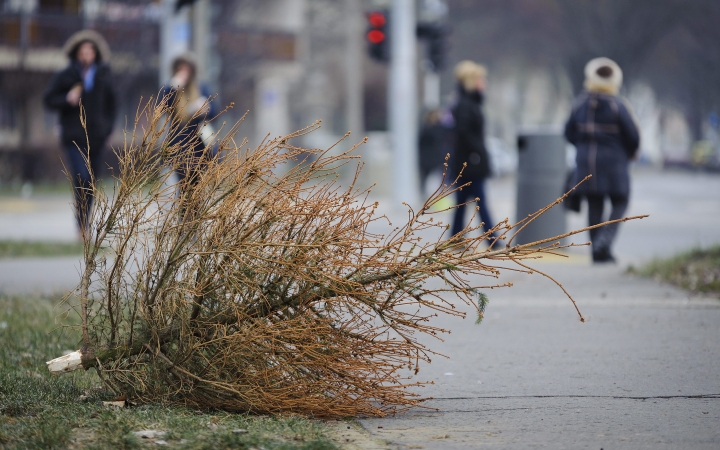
<point>353,70</point>
<point>402,100</point>
<point>174,37</point>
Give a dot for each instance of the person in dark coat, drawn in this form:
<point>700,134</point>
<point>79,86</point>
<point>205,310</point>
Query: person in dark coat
<point>86,81</point>
<point>189,105</point>
<point>432,145</point>
<point>603,128</point>
<point>469,143</point>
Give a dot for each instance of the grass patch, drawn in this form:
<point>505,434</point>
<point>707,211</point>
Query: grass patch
<point>14,249</point>
<point>41,411</point>
<point>59,187</point>
<point>697,270</point>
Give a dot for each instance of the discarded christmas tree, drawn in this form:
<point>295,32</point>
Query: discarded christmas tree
<point>261,288</point>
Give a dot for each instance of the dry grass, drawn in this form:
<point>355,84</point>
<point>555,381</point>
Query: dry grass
<point>261,288</point>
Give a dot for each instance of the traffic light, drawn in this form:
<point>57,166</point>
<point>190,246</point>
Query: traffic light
<point>377,35</point>
<point>435,36</point>
<point>437,49</point>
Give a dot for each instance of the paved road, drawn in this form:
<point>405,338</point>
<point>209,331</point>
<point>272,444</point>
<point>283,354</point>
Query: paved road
<point>42,217</point>
<point>642,372</point>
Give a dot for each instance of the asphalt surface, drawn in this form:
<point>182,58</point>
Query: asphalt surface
<point>642,372</point>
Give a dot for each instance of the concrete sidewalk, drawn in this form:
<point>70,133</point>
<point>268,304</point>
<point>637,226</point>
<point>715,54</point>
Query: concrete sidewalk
<point>642,372</point>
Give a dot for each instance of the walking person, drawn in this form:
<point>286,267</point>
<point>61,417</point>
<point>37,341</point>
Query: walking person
<point>86,81</point>
<point>189,105</point>
<point>603,129</point>
<point>469,144</point>
<point>432,145</point>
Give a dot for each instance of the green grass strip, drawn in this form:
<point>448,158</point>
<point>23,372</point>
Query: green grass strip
<point>697,270</point>
<point>15,249</point>
<point>42,411</point>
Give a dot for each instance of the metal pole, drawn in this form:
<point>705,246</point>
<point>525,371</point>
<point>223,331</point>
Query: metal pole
<point>403,101</point>
<point>353,70</point>
<point>174,37</point>
<point>200,17</point>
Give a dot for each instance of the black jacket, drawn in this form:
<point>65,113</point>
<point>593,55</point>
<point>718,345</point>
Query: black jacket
<point>602,128</point>
<point>469,139</point>
<point>99,103</point>
<point>188,136</point>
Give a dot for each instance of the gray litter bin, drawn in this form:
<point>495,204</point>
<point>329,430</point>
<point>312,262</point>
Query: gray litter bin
<point>541,179</point>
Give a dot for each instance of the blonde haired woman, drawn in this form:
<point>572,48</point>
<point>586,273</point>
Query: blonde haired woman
<point>603,129</point>
<point>469,142</point>
<point>189,106</point>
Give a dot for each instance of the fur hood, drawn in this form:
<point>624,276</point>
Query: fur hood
<point>93,36</point>
<point>603,75</point>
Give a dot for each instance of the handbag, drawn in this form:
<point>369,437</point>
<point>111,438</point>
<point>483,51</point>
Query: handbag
<point>573,200</point>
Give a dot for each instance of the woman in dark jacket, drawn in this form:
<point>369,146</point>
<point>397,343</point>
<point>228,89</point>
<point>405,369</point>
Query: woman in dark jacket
<point>469,143</point>
<point>87,80</point>
<point>190,106</point>
<point>603,129</point>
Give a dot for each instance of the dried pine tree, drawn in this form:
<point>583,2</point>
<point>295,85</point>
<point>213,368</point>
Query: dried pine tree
<point>261,288</point>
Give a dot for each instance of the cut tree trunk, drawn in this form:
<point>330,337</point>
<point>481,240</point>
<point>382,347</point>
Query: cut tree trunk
<point>68,363</point>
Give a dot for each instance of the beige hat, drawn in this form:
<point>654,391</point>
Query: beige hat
<point>74,41</point>
<point>603,75</point>
<point>467,72</point>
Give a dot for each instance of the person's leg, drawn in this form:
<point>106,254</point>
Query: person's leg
<point>459,217</point>
<point>608,232</point>
<point>97,163</point>
<point>80,178</point>
<point>188,177</point>
<point>595,211</point>
<point>479,192</point>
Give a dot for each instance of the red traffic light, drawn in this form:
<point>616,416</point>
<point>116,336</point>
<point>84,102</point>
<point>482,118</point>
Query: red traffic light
<point>377,19</point>
<point>375,36</point>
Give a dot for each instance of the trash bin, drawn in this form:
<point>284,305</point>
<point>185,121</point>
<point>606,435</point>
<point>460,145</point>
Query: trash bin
<point>541,179</point>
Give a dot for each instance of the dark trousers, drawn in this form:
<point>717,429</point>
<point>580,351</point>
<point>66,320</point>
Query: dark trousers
<point>468,193</point>
<point>603,237</point>
<point>80,176</point>
<point>194,160</point>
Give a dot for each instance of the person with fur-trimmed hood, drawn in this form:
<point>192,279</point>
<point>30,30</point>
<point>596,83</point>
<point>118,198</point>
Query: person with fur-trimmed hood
<point>470,155</point>
<point>603,128</point>
<point>86,81</point>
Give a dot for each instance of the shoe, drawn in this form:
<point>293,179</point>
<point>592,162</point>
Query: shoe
<point>603,255</point>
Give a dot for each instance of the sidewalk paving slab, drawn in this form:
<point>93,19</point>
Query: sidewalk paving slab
<point>642,372</point>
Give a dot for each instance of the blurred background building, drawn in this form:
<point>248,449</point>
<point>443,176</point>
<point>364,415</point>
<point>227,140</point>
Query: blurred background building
<point>291,62</point>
